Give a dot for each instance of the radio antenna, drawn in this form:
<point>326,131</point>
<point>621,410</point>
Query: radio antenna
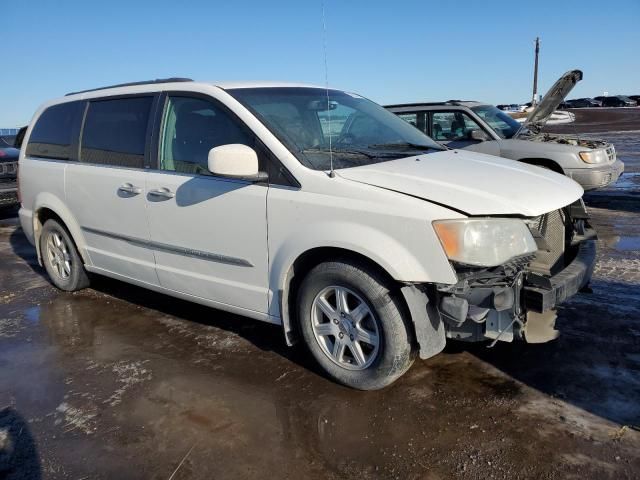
<point>326,84</point>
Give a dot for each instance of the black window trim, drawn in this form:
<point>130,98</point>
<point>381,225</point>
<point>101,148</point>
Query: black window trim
<point>17,143</point>
<point>148,132</point>
<point>259,144</point>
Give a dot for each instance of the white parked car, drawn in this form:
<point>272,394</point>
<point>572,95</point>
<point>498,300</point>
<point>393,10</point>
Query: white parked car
<point>314,209</point>
<point>481,127</point>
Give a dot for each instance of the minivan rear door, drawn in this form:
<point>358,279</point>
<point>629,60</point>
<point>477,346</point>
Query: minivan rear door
<point>209,233</point>
<point>106,188</point>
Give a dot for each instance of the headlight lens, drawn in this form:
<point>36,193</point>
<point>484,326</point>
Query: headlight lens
<point>484,242</point>
<point>592,157</point>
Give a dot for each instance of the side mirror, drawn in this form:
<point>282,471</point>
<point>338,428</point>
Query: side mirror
<point>477,135</point>
<point>235,161</point>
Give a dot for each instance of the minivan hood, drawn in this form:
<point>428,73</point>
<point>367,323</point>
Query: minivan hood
<point>472,183</point>
<point>551,100</point>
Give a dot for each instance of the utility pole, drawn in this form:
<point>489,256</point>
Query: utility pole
<point>534,100</point>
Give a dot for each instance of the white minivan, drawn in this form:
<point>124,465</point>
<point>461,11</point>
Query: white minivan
<point>311,208</point>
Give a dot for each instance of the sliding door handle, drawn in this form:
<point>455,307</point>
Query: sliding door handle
<point>162,193</point>
<point>129,188</point>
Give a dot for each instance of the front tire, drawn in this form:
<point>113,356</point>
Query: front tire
<point>61,258</point>
<point>353,325</point>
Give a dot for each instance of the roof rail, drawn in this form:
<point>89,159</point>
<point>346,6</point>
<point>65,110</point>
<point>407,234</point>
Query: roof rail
<point>429,104</point>
<point>416,104</point>
<point>145,82</point>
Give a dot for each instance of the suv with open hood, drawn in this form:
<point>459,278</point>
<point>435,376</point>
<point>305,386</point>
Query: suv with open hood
<point>310,208</point>
<point>483,128</point>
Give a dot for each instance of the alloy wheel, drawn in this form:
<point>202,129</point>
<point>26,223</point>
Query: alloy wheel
<point>345,328</point>
<point>58,255</point>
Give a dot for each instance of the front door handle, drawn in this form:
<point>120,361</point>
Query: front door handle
<point>129,188</point>
<point>163,192</point>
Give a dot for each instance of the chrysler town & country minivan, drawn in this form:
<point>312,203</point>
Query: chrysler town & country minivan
<point>311,208</point>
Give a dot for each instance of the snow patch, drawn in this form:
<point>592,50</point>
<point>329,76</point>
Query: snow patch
<point>128,374</point>
<point>75,418</point>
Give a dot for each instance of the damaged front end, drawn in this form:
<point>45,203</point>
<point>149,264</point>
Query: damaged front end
<point>517,300</point>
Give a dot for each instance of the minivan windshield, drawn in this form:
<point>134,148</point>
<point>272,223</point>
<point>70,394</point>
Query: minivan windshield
<point>315,125</point>
<point>500,122</point>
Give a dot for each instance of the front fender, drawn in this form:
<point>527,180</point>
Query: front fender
<point>386,251</point>
<point>394,256</point>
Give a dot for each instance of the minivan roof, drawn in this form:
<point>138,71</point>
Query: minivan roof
<point>223,85</point>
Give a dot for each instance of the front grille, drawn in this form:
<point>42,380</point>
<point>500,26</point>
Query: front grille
<point>8,168</point>
<point>8,198</point>
<point>4,181</point>
<point>549,230</point>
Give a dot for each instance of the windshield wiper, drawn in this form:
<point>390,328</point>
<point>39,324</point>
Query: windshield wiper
<point>348,151</point>
<point>405,145</point>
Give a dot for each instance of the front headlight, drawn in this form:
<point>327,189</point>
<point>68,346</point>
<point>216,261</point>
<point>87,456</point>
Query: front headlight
<point>593,156</point>
<point>485,242</point>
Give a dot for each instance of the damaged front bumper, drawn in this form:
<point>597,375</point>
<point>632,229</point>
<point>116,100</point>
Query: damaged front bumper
<point>541,294</point>
<point>518,300</point>
<point>514,301</point>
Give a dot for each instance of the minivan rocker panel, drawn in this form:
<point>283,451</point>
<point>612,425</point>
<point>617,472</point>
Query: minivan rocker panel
<point>472,183</point>
<point>365,239</point>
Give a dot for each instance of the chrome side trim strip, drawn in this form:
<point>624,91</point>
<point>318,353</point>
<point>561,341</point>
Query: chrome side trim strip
<point>189,252</point>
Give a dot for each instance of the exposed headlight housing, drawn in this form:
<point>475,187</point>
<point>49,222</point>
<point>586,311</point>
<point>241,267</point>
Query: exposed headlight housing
<point>484,242</point>
<point>593,156</point>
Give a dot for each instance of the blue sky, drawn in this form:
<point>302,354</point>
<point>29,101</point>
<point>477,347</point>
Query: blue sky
<point>389,51</point>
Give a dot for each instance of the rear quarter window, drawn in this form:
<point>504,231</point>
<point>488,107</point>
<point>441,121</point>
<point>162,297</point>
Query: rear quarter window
<point>52,135</point>
<point>115,132</point>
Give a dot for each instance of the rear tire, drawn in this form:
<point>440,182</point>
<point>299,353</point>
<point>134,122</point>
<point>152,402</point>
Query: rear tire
<point>353,325</point>
<point>61,259</point>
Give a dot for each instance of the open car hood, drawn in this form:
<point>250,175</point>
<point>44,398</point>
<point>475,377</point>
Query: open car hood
<point>549,103</point>
<point>472,183</point>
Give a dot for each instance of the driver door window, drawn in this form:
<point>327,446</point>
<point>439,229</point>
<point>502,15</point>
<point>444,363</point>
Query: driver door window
<point>453,128</point>
<point>192,127</point>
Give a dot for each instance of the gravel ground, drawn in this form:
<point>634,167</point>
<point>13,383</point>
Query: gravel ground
<point>119,382</point>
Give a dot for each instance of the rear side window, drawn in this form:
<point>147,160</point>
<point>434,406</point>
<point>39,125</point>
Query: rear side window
<point>114,132</point>
<point>52,134</point>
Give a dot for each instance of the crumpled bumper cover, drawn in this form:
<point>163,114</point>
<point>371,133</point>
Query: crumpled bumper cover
<point>564,284</point>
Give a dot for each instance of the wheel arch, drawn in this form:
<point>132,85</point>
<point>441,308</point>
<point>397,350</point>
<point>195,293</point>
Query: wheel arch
<point>543,162</point>
<point>51,207</point>
<point>302,265</point>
